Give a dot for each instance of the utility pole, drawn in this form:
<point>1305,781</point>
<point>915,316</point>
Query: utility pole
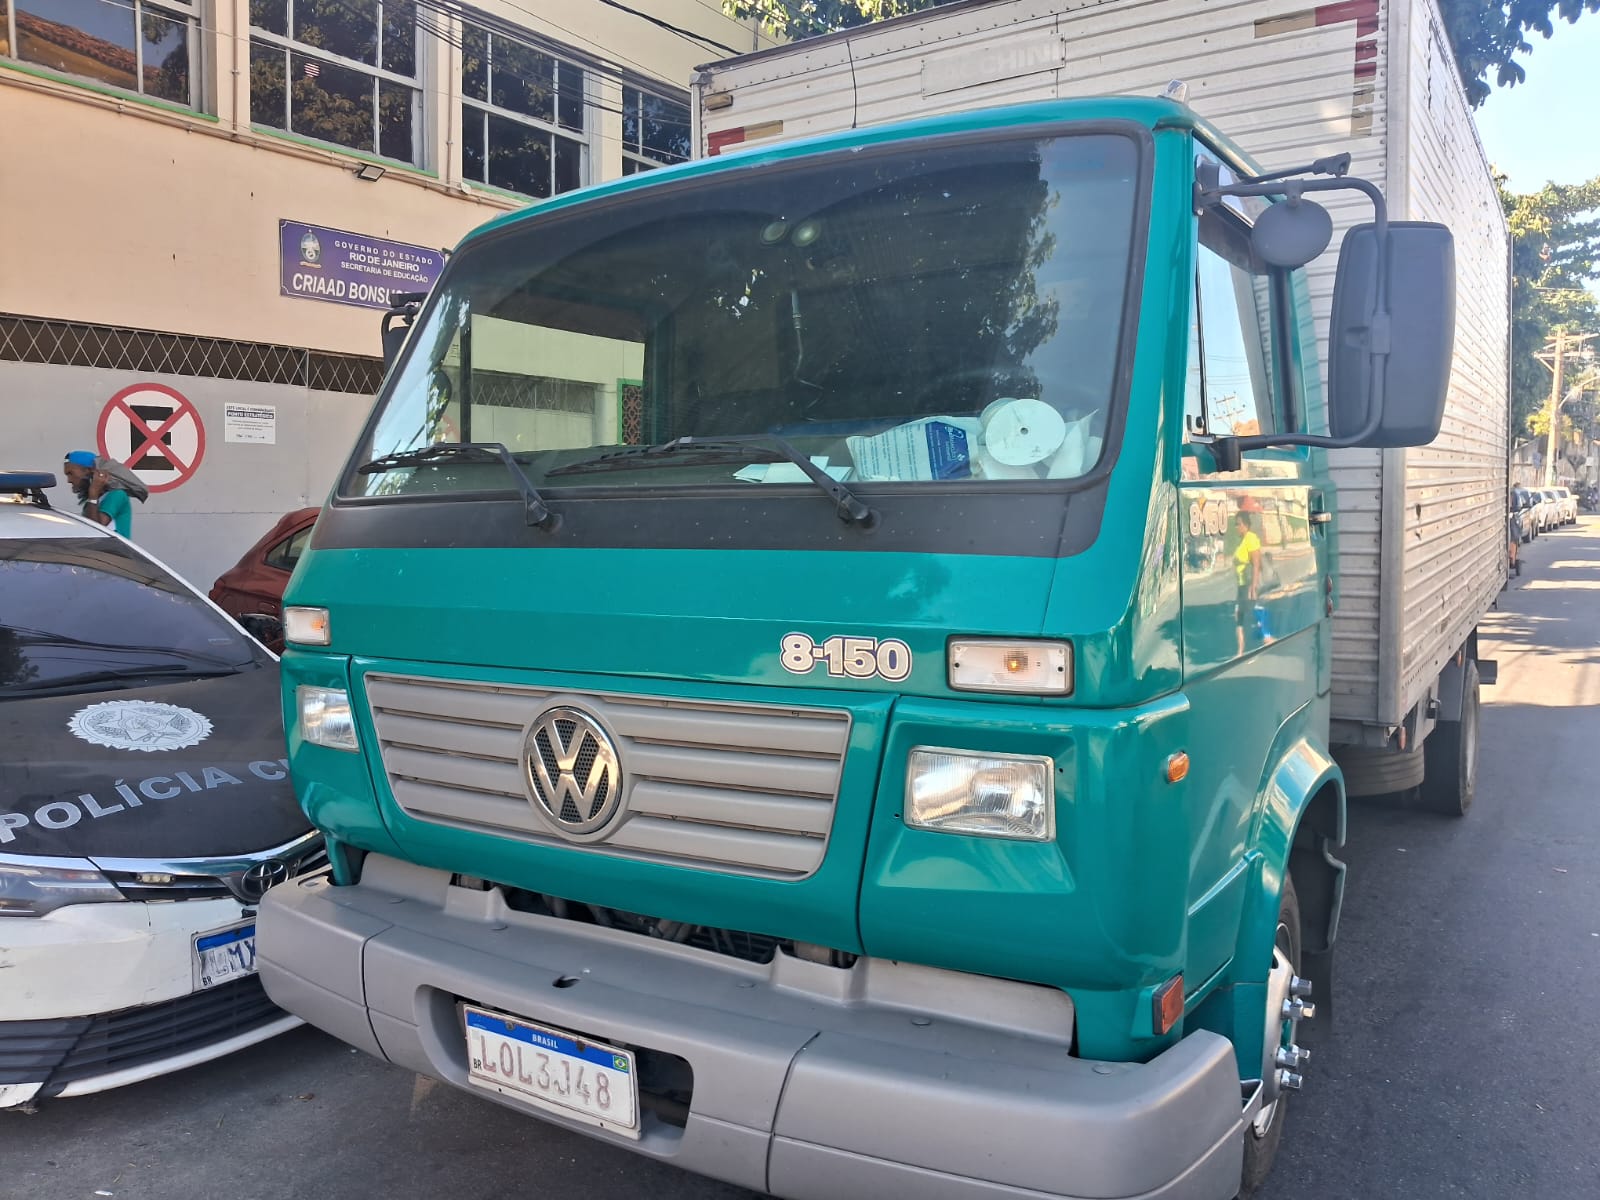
<point>1555,409</point>
<point>1564,345</point>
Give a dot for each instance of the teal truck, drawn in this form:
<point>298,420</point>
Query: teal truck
<point>818,668</point>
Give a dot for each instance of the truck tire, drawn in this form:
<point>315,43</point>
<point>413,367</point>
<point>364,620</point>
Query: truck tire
<point>1451,777</point>
<point>1261,1144</point>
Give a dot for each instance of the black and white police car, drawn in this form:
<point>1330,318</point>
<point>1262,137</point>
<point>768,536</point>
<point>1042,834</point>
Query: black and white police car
<point>144,808</point>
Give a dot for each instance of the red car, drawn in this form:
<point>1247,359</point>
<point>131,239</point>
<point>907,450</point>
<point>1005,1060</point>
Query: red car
<point>251,591</point>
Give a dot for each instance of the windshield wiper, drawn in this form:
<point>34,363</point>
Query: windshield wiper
<point>40,637</point>
<point>536,510</point>
<point>70,683</point>
<point>847,506</point>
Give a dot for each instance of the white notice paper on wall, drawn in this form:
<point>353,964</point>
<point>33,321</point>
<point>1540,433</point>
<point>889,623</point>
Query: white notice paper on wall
<point>250,423</point>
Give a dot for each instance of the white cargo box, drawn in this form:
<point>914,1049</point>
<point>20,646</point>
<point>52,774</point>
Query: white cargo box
<point>1422,542</point>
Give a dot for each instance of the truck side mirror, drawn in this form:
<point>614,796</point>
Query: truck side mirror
<point>403,309</point>
<point>1412,350</point>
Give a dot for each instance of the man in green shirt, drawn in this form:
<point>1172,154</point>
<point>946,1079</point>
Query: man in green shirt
<point>102,500</point>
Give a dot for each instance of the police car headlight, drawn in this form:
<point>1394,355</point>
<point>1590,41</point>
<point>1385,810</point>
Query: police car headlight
<point>984,795</point>
<point>326,719</point>
<point>32,888</point>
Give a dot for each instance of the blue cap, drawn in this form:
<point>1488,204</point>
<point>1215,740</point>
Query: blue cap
<point>81,458</point>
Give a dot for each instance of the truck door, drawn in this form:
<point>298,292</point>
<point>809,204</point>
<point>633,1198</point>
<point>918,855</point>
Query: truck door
<point>1254,562</point>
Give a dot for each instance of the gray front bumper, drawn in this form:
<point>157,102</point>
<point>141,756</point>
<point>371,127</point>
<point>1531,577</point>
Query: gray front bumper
<point>809,1081</point>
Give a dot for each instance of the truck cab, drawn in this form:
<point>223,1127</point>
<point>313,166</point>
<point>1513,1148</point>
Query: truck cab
<point>817,668</point>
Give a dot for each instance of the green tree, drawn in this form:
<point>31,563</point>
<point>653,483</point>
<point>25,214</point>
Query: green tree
<point>796,19</point>
<point>1486,34</point>
<point>1555,251</point>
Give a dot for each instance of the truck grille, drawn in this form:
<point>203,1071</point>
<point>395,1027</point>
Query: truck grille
<point>734,787</point>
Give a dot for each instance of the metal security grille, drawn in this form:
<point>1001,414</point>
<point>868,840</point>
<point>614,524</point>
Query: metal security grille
<point>499,389</point>
<point>111,347</point>
<point>732,787</point>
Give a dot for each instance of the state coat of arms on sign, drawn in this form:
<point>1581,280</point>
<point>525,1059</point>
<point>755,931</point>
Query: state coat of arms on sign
<point>140,725</point>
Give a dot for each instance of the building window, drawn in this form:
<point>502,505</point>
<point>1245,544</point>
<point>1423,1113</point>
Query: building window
<point>340,71</point>
<point>524,116</point>
<point>655,130</point>
<point>142,47</point>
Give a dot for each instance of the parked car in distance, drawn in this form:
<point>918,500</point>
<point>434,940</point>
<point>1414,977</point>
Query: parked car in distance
<point>1567,504</point>
<point>1525,502</point>
<point>1524,515</point>
<point>1544,510</point>
<point>251,591</point>
<point>145,807</point>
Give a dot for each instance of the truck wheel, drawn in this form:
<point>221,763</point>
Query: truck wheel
<point>1451,776</point>
<point>1261,1137</point>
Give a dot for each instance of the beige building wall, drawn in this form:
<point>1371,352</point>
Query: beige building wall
<point>124,217</point>
<point>119,211</point>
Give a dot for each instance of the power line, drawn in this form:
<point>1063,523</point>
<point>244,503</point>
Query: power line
<point>687,35</point>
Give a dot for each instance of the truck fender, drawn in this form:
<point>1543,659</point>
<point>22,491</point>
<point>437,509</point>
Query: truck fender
<point>1302,823</point>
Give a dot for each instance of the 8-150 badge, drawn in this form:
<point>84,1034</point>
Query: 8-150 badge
<point>848,657</point>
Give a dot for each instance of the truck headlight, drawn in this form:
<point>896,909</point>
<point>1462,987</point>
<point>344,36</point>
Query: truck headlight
<point>32,888</point>
<point>326,719</point>
<point>987,795</point>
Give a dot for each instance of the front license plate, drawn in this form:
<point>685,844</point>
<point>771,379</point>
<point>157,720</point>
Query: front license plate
<point>224,954</point>
<point>591,1082</point>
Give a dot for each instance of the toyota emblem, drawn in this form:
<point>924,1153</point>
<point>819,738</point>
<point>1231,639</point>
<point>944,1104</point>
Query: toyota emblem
<point>573,772</point>
<point>253,884</point>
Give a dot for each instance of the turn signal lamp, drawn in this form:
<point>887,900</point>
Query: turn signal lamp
<point>1177,767</point>
<point>1025,668</point>
<point>1169,1004</point>
<point>307,626</point>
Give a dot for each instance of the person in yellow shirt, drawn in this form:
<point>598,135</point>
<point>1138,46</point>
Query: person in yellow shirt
<point>1247,566</point>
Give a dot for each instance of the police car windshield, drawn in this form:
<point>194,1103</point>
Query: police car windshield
<point>92,611</point>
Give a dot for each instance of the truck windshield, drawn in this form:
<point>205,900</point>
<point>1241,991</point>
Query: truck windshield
<point>946,313</point>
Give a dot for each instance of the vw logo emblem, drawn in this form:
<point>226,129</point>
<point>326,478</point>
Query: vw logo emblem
<point>253,884</point>
<point>573,771</point>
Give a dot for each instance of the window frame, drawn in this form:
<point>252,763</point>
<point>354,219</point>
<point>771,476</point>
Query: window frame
<point>187,10</point>
<point>1288,402</point>
<point>640,158</point>
<point>285,554</point>
<point>290,46</point>
<point>484,109</point>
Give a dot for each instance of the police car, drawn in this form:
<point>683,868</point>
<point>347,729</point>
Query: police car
<point>144,809</point>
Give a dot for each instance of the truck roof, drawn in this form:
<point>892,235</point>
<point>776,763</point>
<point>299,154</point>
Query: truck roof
<point>1151,112</point>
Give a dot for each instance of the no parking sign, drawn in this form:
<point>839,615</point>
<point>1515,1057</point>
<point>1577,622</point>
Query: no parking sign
<point>156,432</point>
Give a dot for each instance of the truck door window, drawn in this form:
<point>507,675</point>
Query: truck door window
<point>1231,384</point>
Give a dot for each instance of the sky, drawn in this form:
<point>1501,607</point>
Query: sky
<point>1541,131</point>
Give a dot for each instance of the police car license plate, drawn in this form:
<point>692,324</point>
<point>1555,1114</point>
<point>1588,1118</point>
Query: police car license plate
<point>558,1071</point>
<point>224,954</point>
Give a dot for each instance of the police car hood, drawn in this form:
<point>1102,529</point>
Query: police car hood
<point>183,769</point>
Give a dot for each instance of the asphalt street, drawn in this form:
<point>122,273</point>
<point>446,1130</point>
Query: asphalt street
<point>1459,1057</point>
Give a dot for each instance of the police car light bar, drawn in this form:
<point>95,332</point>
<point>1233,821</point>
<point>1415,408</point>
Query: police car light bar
<point>29,485</point>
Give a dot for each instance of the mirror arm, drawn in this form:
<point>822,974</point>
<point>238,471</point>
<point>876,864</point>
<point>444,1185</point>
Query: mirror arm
<point>1229,449</point>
